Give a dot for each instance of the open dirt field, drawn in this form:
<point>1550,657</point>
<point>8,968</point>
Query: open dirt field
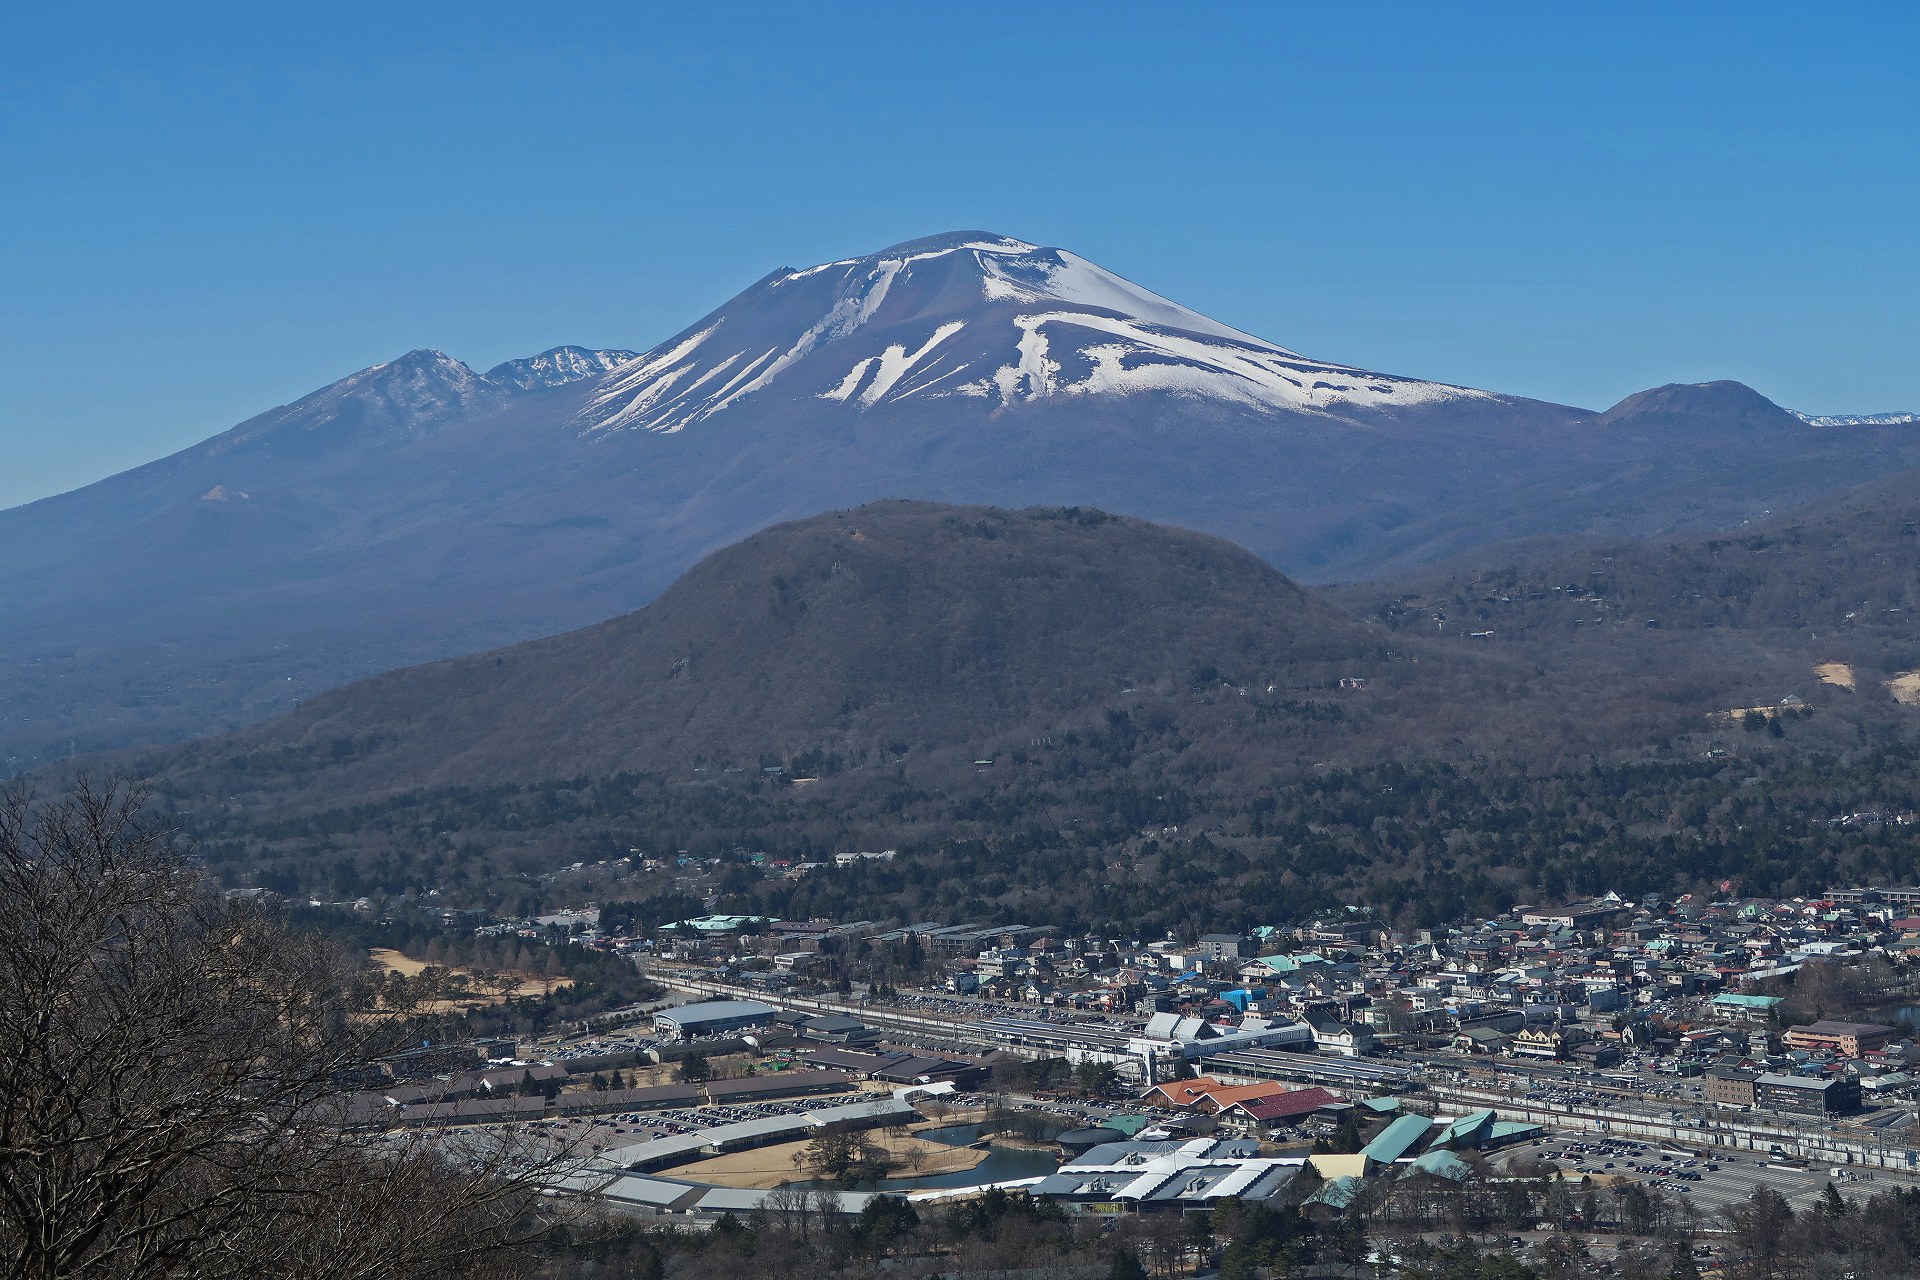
<point>1835,673</point>
<point>1740,713</point>
<point>1905,688</point>
<point>771,1166</point>
<point>390,959</point>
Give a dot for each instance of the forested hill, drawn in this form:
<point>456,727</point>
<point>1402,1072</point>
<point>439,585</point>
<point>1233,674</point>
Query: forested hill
<point>897,632</point>
<point>923,641</point>
<point>1060,714</point>
<point>1822,604</point>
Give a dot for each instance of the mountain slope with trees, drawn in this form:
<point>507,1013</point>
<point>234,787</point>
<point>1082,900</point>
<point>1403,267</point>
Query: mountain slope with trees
<point>852,641</point>
<point>1059,714</point>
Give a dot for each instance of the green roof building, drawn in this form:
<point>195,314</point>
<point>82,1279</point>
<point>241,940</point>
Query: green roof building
<point>1397,1139</point>
<point>1441,1163</point>
<point>1468,1131</point>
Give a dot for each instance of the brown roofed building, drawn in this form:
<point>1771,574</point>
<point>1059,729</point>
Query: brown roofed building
<point>1221,1097</point>
<point>1182,1093</point>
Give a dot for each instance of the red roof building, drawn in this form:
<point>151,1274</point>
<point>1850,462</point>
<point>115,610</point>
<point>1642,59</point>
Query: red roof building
<point>1277,1108</point>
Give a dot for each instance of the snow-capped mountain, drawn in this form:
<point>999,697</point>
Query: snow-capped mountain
<point>557,368</point>
<point>978,318</point>
<point>1856,419</point>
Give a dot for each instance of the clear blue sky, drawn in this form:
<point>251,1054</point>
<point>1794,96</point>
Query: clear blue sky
<point>206,210</point>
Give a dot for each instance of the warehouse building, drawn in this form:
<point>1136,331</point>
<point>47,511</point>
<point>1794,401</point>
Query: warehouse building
<point>714,1018</point>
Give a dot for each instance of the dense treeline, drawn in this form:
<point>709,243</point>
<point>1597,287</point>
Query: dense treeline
<point>1843,575</point>
<point>1180,748</point>
<point>575,983</point>
<point>1568,752</point>
<point>999,1233</point>
<point>1196,847</point>
<point>1430,1228</point>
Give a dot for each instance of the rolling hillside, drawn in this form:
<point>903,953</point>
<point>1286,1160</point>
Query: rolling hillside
<point>860,638</point>
<point>1056,712</point>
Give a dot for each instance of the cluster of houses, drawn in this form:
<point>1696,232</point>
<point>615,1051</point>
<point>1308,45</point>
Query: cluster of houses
<point>1689,984</point>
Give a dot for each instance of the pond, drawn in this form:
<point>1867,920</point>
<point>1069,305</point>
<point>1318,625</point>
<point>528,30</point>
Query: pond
<point>1003,1164</point>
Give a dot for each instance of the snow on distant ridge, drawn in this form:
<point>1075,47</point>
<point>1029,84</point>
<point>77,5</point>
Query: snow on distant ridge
<point>972,315</point>
<point>1856,420</point>
<point>558,367</point>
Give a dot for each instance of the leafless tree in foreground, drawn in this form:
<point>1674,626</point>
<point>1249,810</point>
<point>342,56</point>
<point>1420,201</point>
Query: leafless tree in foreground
<point>173,1076</point>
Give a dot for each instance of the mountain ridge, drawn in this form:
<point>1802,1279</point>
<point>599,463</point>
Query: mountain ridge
<point>419,510</point>
<point>1732,406</point>
<point>1857,419</point>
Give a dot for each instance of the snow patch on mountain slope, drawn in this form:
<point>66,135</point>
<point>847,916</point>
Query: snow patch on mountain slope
<point>889,367</point>
<point>1071,279</point>
<point>1151,359</point>
<point>992,244</point>
<point>848,314</point>
<point>647,379</point>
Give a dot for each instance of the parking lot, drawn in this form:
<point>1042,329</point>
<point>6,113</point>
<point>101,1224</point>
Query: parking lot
<point>598,1133</point>
<point>1709,1180</point>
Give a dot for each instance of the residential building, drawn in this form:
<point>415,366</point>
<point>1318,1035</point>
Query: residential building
<point>1850,1038</point>
<point>1754,1010</point>
<point>1221,946</point>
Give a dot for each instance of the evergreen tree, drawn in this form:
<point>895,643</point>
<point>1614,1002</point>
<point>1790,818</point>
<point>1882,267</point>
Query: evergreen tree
<point>1684,1267</point>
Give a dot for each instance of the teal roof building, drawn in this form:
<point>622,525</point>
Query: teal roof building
<point>1337,1194</point>
<point>1397,1139</point>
